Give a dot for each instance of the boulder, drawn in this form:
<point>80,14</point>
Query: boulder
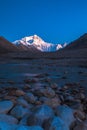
<point>5,106</point>
<point>19,93</point>
<point>81,126</point>
<point>23,102</point>
<point>66,114</point>
<point>6,126</point>
<point>23,121</point>
<point>40,115</point>
<point>8,119</point>
<point>49,92</point>
<point>29,128</point>
<point>52,102</point>
<point>30,98</point>
<point>58,124</point>
<point>19,111</point>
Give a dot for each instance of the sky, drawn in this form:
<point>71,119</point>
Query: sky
<point>55,21</point>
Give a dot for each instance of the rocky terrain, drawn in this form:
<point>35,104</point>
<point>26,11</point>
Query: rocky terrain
<point>43,90</point>
<point>42,96</point>
<point>39,106</point>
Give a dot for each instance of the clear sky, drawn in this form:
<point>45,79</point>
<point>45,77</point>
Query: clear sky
<point>56,21</point>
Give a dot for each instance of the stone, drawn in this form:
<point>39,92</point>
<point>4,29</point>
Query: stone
<point>49,92</point>
<point>23,121</point>
<point>66,114</point>
<point>19,93</point>
<point>40,114</point>
<point>58,124</point>
<point>6,126</point>
<point>5,106</point>
<point>23,102</point>
<point>52,102</point>
<point>8,119</point>
<point>77,105</point>
<point>29,128</point>
<point>30,97</point>
<point>54,86</point>
<point>81,126</point>
<point>80,115</point>
<point>19,111</point>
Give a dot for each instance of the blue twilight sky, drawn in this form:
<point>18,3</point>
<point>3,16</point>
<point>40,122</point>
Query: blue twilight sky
<point>55,21</point>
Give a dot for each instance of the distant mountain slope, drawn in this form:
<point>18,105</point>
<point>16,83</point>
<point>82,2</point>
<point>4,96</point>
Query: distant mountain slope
<point>6,46</point>
<point>80,43</point>
<point>36,42</point>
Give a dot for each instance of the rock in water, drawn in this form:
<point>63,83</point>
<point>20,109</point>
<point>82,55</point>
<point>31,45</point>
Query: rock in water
<point>30,97</point>
<point>6,126</point>
<point>19,111</point>
<point>66,114</point>
<point>5,106</point>
<point>21,101</point>
<point>29,128</point>
<point>40,115</point>
<point>58,124</point>
<point>8,119</point>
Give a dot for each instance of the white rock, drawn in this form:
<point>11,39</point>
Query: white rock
<point>6,126</point>
<point>22,102</point>
<point>58,124</point>
<point>8,119</point>
<point>41,114</point>
<point>5,106</point>
<point>29,128</point>
<point>19,111</point>
<point>66,114</point>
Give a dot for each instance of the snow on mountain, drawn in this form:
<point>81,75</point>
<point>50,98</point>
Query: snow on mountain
<point>38,43</point>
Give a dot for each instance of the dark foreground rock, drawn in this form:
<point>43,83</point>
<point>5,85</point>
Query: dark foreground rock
<point>43,106</point>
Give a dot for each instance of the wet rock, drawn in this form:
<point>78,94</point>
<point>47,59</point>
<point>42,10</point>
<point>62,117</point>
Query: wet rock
<point>76,104</point>
<point>30,97</point>
<point>69,98</point>
<point>29,128</point>
<point>48,80</point>
<point>6,126</point>
<point>11,82</point>
<point>58,124</point>
<point>23,102</point>
<point>66,114</point>
<point>80,115</point>
<point>49,92</point>
<point>81,126</point>
<point>39,92</point>
<point>23,121</point>
<point>27,87</point>
<point>52,102</point>
<point>19,93</point>
<point>40,114</point>
<point>5,106</point>
<point>8,119</point>
<point>54,86</point>
<point>82,96</point>
<point>33,80</point>
<point>19,111</point>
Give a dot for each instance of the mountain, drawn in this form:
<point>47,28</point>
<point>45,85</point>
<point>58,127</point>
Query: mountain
<point>76,49</point>
<point>6,46</point>
<point>80,43</point>
<point>36,42</point>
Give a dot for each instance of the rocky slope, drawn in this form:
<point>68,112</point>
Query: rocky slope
<point>6,46</point>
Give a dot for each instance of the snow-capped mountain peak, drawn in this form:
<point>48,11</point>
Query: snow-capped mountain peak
<point>38,43</point>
